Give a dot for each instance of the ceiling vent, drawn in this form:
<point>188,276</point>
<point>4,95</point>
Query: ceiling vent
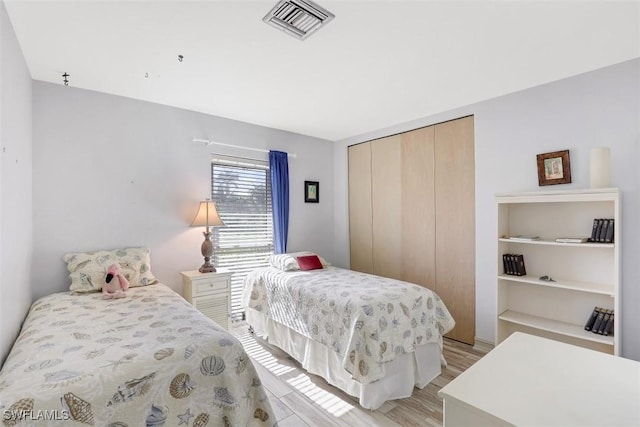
<point>299,18</point>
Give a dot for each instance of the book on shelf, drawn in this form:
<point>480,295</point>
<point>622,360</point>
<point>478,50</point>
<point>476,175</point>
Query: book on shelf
<point>572,239</point>
<point>600,322</point>
<point>505,264</point>
<point>594,230</point>
<point>513,264</point>
<point>592,319</point>
<point>596,324</point>
<point>605,322</point>
<point>602,230</point>
<point>524,237</point>
<point>609,235</point>
<point>609,329</point>
<point>520,268</point>
<point>599,230</point>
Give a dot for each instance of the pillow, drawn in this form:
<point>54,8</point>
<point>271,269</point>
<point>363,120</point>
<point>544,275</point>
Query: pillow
<point>289,262</point>
<point>309,262</point>
<point>87,269</point>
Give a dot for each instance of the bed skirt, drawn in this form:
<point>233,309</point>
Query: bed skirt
<point>409,370</point>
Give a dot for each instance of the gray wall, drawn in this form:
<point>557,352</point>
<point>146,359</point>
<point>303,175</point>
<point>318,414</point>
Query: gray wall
<point>599,108</point>
<point>112,171</point>
<point>15,186</point>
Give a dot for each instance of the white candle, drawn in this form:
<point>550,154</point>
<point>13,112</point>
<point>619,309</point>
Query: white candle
<point>600,167</point>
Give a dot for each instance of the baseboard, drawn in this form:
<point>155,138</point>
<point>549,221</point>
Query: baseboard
<point>482,345</point>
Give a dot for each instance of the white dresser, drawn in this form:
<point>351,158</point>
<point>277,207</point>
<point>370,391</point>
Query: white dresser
<point>210,293</point>
<point>534,381</point>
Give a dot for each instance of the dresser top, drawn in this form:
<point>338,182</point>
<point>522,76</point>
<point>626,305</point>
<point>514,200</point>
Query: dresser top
<point>529,380</point>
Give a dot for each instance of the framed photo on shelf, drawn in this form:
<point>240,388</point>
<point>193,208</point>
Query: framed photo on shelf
<point>311,192</point>
<point>554,168</point>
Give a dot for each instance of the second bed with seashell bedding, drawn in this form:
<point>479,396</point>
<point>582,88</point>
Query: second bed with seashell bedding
<point>150,359</point>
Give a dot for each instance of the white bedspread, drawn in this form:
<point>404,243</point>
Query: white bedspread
<point>147,359</point>
<point>366,319</point>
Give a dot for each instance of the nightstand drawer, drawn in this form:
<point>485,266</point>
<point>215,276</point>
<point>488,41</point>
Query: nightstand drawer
<point>204,287</point>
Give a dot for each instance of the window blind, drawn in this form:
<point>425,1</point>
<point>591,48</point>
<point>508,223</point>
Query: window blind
<point>242,193</point>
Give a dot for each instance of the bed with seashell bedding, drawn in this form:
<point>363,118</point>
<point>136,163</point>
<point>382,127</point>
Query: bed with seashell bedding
<point>373,337</point>
<point>148,359</point>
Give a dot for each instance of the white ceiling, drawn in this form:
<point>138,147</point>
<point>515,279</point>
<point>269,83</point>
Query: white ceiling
<point>377,64</point>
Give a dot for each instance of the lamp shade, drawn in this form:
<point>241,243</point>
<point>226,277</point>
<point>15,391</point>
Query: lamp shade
<point>207,215</point>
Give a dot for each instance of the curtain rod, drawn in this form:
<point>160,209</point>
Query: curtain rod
<point>208,142</point>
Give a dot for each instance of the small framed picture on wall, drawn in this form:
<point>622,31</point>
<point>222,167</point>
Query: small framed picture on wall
<point>554,168</point>
<point>311,192</point>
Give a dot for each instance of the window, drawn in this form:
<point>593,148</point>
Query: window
<point>241,191</point>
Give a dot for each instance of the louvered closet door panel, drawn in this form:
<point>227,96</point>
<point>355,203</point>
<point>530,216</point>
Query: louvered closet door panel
<point>418,210</point>
<point>455,223</point>
<point>360,228</point>
<point>215,307</point>
<point>386,201</point>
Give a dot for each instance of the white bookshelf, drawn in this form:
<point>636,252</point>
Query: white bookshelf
<point>586,274</point>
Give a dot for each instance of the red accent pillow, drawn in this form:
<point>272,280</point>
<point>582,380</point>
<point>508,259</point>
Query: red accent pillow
<point>309,262</point>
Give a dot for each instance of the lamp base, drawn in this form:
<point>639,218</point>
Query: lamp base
<point>207,253</point>
<point>207,267</point>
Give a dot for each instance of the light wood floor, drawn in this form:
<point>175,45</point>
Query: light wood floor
<point>300,399</point>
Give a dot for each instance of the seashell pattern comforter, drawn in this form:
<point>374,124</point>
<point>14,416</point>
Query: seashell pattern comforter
<point>149,359</point>
<point>366,319</point>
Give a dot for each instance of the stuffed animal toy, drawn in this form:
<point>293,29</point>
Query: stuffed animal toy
<point>115,284</point>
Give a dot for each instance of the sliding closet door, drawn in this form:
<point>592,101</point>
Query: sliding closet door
<point>412,213</point>
<point>455,223</point>
<point>360,225</point>
<point>418,209</point>
<point>386,201</point>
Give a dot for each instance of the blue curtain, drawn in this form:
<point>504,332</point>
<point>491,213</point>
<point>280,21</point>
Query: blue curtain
<point>279,168</point>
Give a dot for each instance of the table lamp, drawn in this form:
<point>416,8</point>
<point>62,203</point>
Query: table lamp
<point>208,216</point>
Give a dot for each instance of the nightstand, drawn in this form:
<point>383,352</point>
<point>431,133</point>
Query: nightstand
<point>210,293</point>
